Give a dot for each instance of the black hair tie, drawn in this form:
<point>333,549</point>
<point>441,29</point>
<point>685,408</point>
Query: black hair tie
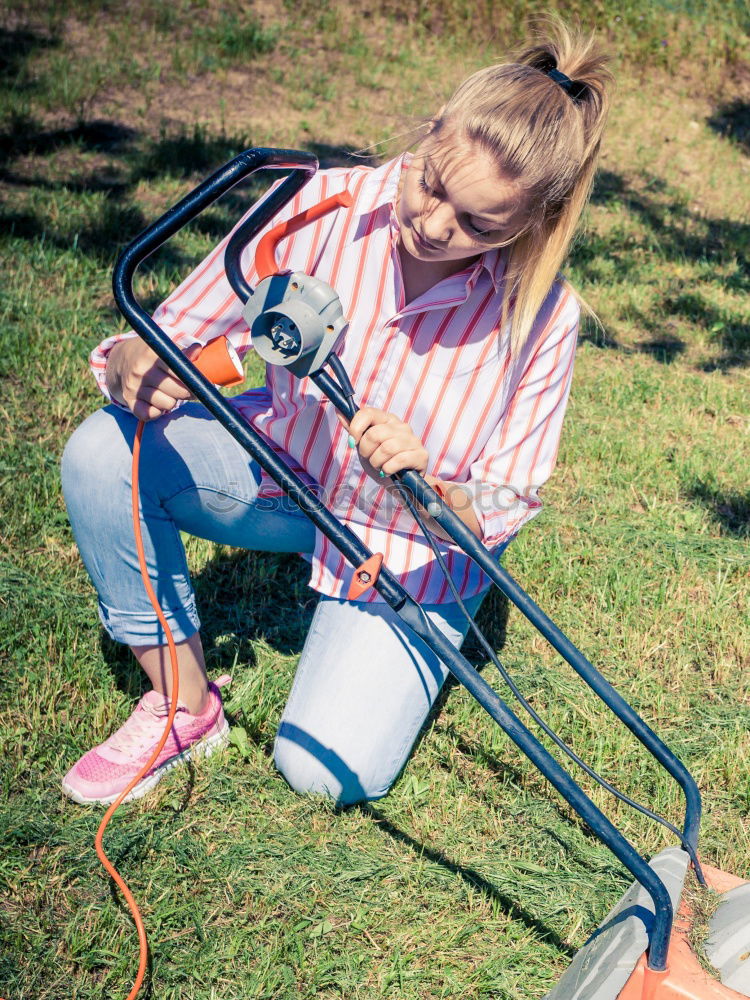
<point>574,88</point>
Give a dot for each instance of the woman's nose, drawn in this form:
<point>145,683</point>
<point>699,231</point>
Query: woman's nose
<point>438,223</point>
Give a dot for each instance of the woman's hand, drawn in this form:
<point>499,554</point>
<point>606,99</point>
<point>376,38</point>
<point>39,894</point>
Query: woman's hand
<point>385,443</point>
<point>141,381</point>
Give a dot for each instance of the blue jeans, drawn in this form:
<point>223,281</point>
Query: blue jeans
<point>365,682</point>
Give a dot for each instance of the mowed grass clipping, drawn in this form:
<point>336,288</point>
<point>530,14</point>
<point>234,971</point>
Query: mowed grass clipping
<point>471,878</point>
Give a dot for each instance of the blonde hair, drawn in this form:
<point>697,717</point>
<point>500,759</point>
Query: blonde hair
<point>544,137</point>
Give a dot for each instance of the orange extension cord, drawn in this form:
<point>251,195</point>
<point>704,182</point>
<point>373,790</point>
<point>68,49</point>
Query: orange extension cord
<point>220,364</point>
<point>121,884</point>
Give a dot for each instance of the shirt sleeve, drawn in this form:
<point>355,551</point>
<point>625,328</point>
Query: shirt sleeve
<point>521,452</point>
<point>204,306</point>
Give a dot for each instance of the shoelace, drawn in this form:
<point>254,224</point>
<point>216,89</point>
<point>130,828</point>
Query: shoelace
<point>145,723</point>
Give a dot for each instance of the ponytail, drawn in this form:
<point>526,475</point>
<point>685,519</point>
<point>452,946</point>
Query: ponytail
<point>541,118</point>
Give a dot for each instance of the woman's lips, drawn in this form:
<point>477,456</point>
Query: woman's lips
<point>421,242</point>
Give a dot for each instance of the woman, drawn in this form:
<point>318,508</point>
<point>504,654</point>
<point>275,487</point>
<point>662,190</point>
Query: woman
<point>460,347</point>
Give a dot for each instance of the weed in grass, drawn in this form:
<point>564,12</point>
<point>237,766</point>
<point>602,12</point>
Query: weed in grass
<point>71,87</point>
<point>236,38</point>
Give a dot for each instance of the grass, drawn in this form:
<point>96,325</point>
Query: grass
<point>471,878</point>
<point>703,904</point>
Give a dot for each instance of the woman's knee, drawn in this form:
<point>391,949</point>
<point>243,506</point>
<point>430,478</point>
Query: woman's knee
<point>312,768</point>
<point>95,450</point>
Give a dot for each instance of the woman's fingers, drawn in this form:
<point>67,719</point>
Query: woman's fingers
<point>373,439</point>
<point>148,405</point>
<point>156,379</point>
<point>379,453</point>
<point>366,418</point>
<point>386,444</point>
<point>145,411</point>
<point>377,432</point>
<point>149,388</point>
<point>409,458</point>
<point>382,442</point>
<point>143,398</point>
<point>191,353</point>
<point>156,396</point>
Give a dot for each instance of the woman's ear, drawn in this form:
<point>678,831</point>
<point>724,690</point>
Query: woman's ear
<point>433,123</point>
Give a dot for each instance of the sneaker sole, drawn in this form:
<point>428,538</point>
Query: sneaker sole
<point>203,748</point>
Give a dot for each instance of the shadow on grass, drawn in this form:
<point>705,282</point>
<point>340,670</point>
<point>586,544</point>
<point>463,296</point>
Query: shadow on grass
<point>492,622</point>
<point>243,597</point>
<point>471,877</point>
<point>26,137</point>
<point>110,160</point>
<point>664,349</point>
<point>17,46</point>
<point>671,230</point>
<point>732,120</point>
<point>731,510</point>
<point>114,162</point>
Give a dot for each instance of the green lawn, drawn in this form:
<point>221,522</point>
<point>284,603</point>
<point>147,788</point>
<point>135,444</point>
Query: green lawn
<point>472,878</point>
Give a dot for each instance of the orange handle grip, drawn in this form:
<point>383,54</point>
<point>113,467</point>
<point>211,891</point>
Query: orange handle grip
<point>219,362</point>
<point>265,253</point>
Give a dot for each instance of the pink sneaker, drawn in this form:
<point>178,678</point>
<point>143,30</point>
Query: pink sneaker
<point>102,773</point>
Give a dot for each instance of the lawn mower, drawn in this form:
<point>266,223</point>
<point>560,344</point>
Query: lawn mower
<point>641,950</point>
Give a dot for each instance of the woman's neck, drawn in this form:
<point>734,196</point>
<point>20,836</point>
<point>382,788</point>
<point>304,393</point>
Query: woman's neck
<point>419,276</point>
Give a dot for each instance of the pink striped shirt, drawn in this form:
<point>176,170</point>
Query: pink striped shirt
<point>489,422</point>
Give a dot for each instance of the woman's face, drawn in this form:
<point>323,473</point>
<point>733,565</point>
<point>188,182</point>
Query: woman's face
<point>455,204</point>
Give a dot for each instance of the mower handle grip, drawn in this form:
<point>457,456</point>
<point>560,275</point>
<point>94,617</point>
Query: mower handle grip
<point>302,164</point>
<point>265,253</point>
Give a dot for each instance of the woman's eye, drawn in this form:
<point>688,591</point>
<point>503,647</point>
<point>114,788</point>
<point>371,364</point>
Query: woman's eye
<point>427,188</point>
<point>478,231</point>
